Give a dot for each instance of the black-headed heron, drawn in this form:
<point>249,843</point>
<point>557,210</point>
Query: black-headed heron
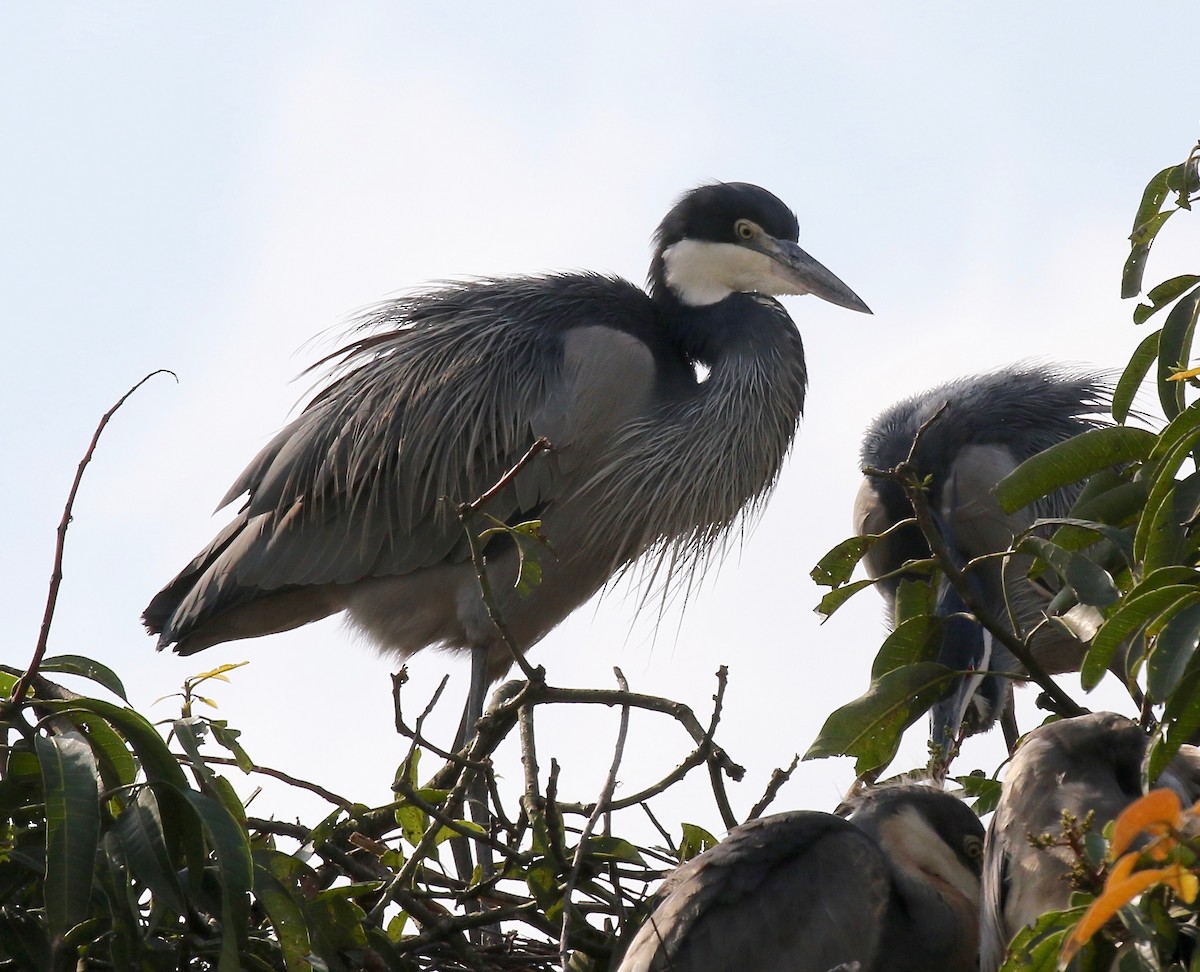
<point>669,412</point>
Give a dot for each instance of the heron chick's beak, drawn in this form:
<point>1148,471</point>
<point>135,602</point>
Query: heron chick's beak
<point>804,275</point>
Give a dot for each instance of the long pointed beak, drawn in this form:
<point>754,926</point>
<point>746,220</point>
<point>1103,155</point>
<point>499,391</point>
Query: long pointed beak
<point>809,276</point>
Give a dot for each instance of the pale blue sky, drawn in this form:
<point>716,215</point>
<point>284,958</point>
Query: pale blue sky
<point>206,188</point>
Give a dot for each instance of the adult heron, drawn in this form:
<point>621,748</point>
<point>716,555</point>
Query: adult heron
<point>1088,764</point>
<point>990,424</point>
<point>670,412</point>
<point>895,887</point>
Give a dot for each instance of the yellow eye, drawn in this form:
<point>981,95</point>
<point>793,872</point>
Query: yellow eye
<point>973,847</point>
<point>745,229</point>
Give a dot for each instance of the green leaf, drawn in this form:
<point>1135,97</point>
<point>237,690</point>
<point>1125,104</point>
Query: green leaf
<point>1174,648</point>
<point>870,727</point>
<point>1134,374</point>
<point>118,768</point>
<point>284,911</point>
<point>189,732</point>
<point>1174,349</point>
<point>88,668</point>
<point>335,925</point>
<point>1121,540</point>
<point>914,598</point>
<point>839,596</point>
<point>916,640</point>
<point>1134,614</point>
<point>837,566</point>
<point>229,739</point>
<point>1070,461</point>
<point>413,823</point>
<point>156,759</point>
<point>231,847</point>
<point>1036,948</point>
<point>143,841</point>
<point>984,789</point>
<point>69,779</point>
<point>1162,295</point>
<point>695,840</point>
<point>1091,583</point>
<point>609,848</point>
<point>1181,716</point>
<point>24,940</point>
<point>1170,452</point>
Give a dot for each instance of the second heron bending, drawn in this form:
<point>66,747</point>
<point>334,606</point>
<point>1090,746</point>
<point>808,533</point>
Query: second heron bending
<point>988,425</point>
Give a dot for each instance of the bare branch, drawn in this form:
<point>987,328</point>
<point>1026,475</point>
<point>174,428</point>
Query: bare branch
<point>56,574</point>
<point>602,804</point>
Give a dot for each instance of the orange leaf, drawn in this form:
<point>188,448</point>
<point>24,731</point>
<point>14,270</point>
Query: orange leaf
<point>1157,809</point>
<point>1121,888</point>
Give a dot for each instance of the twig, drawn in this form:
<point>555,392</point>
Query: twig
<point>465,512</point>
<point>494,726</point>
<point>714,769</point>
<point>410,795</point>
<point>606,792</point>
<point>329,795</point>
<point>779,776</point>
<point>662,830</point>
<point>540,445</point>
<point>56,574</point>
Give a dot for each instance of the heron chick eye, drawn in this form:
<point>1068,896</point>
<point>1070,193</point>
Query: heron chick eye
<point>973,847</point>
<point>745,229</point>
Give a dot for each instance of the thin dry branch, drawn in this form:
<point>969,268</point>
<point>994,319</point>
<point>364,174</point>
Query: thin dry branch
<point>56,574</point>
<point>602,805</point>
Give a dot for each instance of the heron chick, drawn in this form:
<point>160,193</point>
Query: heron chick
<point>895,887</point>
<point>351,507</point>
<point>1088,764</point>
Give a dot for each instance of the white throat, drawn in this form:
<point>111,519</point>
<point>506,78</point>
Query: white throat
<point>916,847</point>
<point>700,272</point>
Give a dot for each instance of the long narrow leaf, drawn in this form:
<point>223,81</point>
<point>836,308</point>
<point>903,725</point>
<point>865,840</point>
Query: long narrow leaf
<point>234,865</point>
<point>140,831</point>
<point>285,913</point>
<point>1070,461</point>
<point>1132,616</point>
<point>870,727</point>
<point>1134,374</point>
<point>88,668</point>
<point>1174,350</point>
<point>72,789</point>
<point>156,759</point>
<point>1174,650</point>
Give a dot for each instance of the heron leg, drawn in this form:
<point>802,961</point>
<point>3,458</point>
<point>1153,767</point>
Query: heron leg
<point>477,793</point>
<point>1008,718</point>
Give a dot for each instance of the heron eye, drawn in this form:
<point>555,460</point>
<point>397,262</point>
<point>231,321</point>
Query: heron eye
<point>973,847</point>
<point>745,229</point>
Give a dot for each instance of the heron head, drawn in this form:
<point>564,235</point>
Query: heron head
<point>734,237</point>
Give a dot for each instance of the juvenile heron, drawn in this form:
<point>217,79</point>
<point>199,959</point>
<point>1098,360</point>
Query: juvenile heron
<point>1089,764</point>
<point>895,887</point>
<point>992,423</point>
<point>351,506</point>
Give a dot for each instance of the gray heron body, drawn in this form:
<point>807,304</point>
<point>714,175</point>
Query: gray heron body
<point>992,424</point>
<point>351,507</point>
<point>1088,764</point>
<point>895,887</point>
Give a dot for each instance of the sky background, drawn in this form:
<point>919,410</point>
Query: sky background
<point>208,188</point>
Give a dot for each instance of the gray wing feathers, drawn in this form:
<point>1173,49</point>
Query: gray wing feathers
<point>425,414</point>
